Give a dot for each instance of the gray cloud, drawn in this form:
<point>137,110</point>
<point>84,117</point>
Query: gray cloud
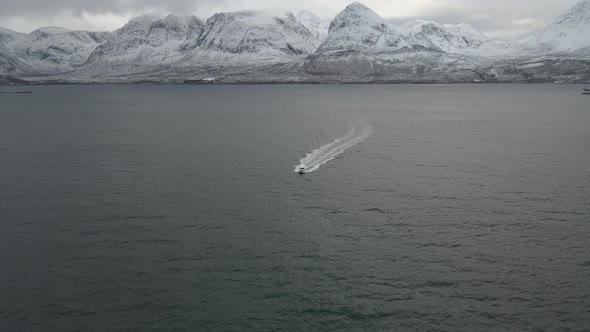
<point>77,7</point>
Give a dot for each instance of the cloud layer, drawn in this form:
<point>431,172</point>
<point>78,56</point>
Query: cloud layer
<point>498,18</point>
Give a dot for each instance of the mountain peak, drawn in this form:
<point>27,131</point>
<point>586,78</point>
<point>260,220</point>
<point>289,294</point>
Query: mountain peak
<point>569,31</point>
<point>51,30</point>
<point>359,28</point>
<point>177,23</point>
<point>357,9</point>
<point>138,23</point>
<point>357,6</point>
<point>579,13</point>
<point>249,17</point>
<point>251,35</point>
<point>356,13</point>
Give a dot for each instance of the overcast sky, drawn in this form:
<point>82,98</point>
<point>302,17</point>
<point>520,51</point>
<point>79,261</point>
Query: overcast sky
<point>496,18</point>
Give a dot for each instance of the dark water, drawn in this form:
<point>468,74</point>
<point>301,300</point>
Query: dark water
<point>176,208</point>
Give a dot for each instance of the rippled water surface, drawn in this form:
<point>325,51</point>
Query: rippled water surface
<point>177,208</point>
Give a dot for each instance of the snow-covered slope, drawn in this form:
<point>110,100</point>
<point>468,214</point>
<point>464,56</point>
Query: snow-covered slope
<point>358,28</point>
<point>447,38</point>
<point>358,45</point>
<point>571,31</point>
<point>318,27</point>
<point>362,44</point>
<point>147,41</point>
<point>62,47</point>
<point>467,31</point>
<point>11,43</point>
<point>248,36</point>
<point>46,51</point>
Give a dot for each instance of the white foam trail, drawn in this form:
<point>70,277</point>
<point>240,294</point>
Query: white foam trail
<point>319,157</point>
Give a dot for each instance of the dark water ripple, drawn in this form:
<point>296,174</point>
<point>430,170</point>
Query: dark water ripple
<point>176,208</point>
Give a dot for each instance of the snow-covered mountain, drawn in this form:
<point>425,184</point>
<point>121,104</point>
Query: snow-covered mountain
<point>316,25</point>
<point>361,43</point>
<point>147,40</point>
<point>360,29</point>
<point>46,51</point>
<point>251,36</point>
<point>245,46</point>
<point>464,39</point>
<point>11,43</point>
<point>159,46</point>
<point>570,33</point>
<point>447,38</point>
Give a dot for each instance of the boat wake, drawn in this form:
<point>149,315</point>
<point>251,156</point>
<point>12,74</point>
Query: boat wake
<point>320,156</point>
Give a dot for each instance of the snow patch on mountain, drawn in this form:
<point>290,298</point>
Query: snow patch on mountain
<point>450,39</point>
<point>46,50</point>
<point>251,36</point>
<point>570,32</point>
<point>359,29</point>
<point>317,26</point>
<point>357,45</point>
<point>11,44</point>
<point>148,40</point>
<point>466,30</point>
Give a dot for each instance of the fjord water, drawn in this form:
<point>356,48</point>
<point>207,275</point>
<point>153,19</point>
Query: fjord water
<point>177,208</point>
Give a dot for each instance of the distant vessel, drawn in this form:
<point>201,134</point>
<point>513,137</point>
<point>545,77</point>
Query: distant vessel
<point>301,170</point>
<point>586,91</point>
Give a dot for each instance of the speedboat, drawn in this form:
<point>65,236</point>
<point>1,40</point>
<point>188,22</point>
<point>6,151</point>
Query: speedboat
<point>301,169</point>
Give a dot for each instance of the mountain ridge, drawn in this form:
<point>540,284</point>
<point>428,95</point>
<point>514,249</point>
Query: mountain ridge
<point>357,45</point>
